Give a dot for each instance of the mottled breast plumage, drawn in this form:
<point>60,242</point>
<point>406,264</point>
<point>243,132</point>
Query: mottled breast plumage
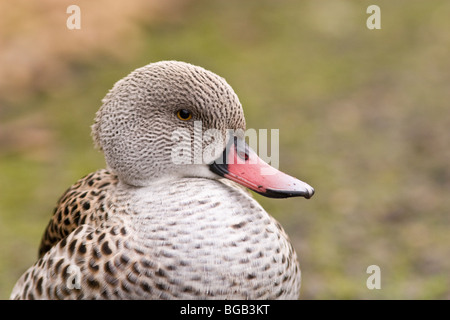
<point>160,247</point>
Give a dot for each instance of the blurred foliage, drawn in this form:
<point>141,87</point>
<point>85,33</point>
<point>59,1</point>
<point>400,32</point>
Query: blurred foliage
<point>363,115</point>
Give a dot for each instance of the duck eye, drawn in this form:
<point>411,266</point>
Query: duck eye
<point>184,114</point>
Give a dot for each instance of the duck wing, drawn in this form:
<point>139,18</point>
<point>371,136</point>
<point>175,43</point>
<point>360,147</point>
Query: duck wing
<point>82,203</point>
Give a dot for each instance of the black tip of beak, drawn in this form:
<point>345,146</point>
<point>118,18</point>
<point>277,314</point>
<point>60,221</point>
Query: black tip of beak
<point>280,194</point>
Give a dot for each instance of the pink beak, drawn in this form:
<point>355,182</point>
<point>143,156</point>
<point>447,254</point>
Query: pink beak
<point>242,165</point>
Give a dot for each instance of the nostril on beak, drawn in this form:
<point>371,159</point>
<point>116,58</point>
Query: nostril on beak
<point>243,155</point>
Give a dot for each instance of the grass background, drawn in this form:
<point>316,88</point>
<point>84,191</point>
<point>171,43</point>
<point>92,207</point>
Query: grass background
<point>363,115</point>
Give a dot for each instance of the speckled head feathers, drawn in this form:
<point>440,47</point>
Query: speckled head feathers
<point>134,126</point>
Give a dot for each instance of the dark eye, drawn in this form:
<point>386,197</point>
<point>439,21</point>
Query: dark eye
<point>184,114</point>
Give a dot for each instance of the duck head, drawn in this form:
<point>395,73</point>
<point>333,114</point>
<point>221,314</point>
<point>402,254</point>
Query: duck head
<point>174,119</point>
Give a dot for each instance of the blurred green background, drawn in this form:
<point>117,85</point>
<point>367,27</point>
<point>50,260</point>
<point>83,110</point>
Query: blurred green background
<point>363,114</point>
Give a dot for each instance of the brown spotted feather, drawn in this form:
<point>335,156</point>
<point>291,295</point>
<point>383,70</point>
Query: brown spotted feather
<point>83,202</point>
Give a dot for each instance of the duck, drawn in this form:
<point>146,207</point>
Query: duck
<point>161,221</point>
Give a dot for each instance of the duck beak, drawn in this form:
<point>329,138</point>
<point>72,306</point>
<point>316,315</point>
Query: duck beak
<point>242,165</point>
